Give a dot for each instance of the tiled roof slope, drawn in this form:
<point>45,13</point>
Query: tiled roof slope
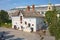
<point>28,14</point>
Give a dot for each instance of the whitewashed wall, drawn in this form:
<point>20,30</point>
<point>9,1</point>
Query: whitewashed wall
<point>16,21</point>
<point>31,21</point>
<point>38,22</point>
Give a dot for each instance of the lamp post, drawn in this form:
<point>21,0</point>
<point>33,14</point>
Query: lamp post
<point>58,15</point>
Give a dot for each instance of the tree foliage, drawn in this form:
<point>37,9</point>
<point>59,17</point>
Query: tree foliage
<point>53,23</point>
<point>4,17</point>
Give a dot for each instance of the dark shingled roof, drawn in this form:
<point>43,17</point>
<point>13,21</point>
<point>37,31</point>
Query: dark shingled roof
<point>28,14</point>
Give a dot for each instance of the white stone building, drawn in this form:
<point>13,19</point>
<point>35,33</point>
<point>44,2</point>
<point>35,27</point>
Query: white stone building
<point>28,20</point>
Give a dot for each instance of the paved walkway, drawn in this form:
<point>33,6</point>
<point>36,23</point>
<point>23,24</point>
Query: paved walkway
<point>48,37</point>
<point>11,34</point>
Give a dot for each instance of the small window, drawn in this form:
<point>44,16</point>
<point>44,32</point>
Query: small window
<point>42,12</point>
<point>21,22</point>
<point>32,24</point>
<point>49,7</point>
<point>21,27</point>
<point>20,18</point>
<point>15,27</point>
<point>25,22</point>
<point>29,24</point>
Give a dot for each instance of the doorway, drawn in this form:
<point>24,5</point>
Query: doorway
<point>31,29</point>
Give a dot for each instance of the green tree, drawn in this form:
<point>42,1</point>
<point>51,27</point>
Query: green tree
<point>0,19</point>
<point>53,23</point>
<point>50,17</point>
<point>4,17</point>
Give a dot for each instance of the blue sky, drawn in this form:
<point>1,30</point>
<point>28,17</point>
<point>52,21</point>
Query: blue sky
<point>8,4</point>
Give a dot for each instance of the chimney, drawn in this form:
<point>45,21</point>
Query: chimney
<point>33,7</point>
<point>28,8</point>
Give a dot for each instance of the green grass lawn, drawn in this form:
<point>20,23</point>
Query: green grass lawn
<point>7,25</point>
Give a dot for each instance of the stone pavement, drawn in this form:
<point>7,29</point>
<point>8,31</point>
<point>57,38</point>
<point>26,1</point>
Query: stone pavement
<point>48,37</point>
<point>45,36</point>
<point>11,34</point>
